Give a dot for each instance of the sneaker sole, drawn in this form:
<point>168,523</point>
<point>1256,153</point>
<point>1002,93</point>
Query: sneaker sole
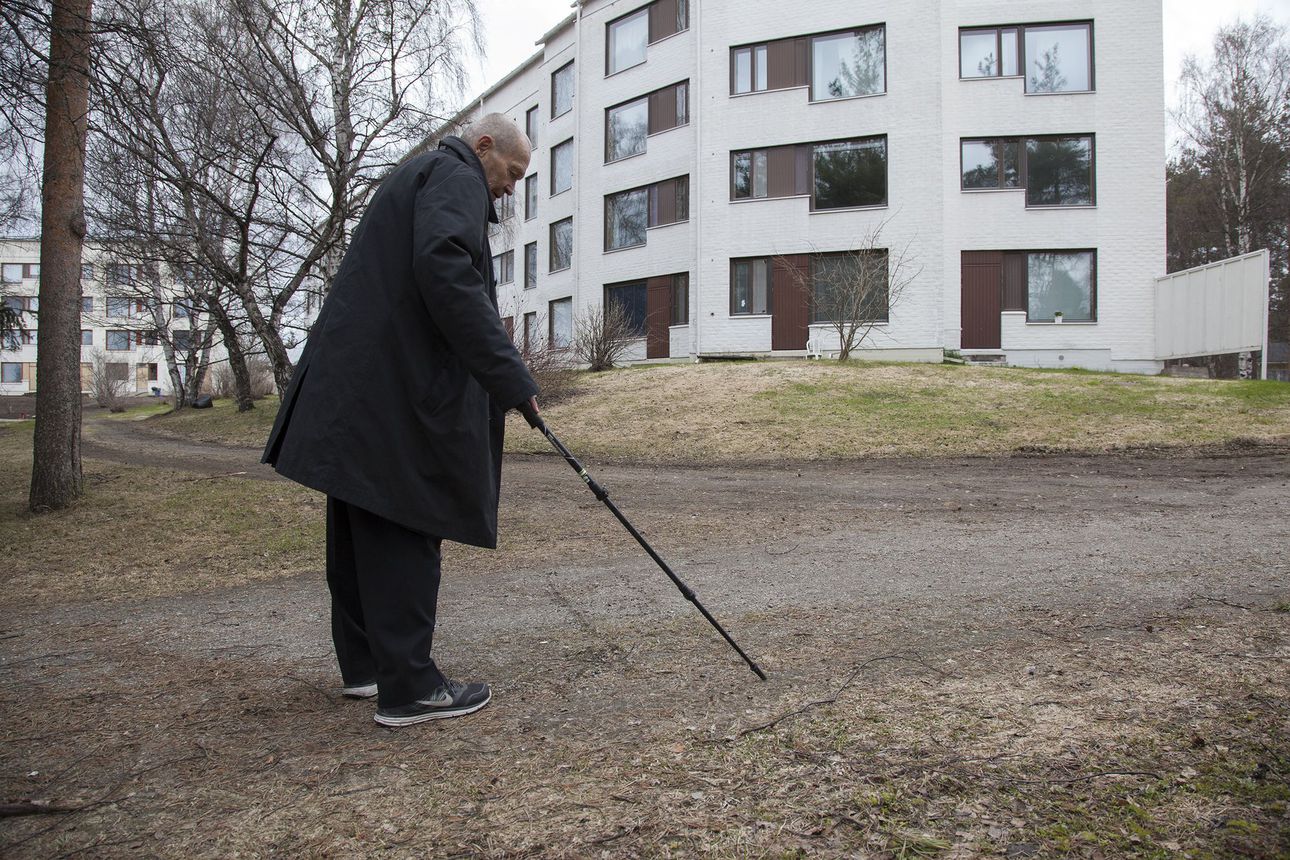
<point>444,714</point>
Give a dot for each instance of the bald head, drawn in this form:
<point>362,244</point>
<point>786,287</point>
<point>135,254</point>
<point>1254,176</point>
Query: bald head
<point>503,132</point>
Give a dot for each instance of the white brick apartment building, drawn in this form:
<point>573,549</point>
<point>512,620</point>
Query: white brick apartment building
<point>115,323</point>
<point>1017,149</point>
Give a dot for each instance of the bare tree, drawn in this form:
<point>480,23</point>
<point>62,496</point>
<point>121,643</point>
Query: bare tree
<point>1229,188</point>
<point>109,381</point>
<point>602,336</point>
<point>854,291</point>
<point>349,86</point>
<point>24,40</point>
<point>56,478</point>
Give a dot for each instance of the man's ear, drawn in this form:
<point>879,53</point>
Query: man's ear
<point>485,143</point>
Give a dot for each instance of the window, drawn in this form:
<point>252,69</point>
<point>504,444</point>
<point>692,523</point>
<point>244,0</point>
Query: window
<point>848,64</point>
<point>504,267</point>
<point>183,311</point>
<point>87,337</point>
<point>506,207</point>
<point>11,273</point>
<point>750,286</point>
<point>10,340</point>
<point>1062,281</point>
<point>19,304</point>
<point>629,213</point>
<point>626,218</point>
<point>118,371</point>
<point>562,167</point>
<point>562,90</point>
<point>146,338</point>
<point>561,245</point>
<point>530,197</point>
<point>988,53</point>
<point>530,331</point>
<point>11,371</point>
<point>87,304</point>
<point>560,323</point>
<point>123,273</point>
<point>118,341</point>
<point>87,271</point>
<point>838,64</point>
<point>152,371</point>
<point>631,300</point>
<point>530,265</point>
<point>1054,171</point>
<point>626,128</point>
<point>850,173</point>
<point>836,175</point>
<point>183,340</point>
<point>1059,171</point>
<point>629,124</point>
<point>749,69</point>
<point>119,306</point>
<point>680,299</point>
<point>531,125</point>
<point>1059,58</point>
<point>850,285</point>
<point>1053,58</point>
<point>628,37</point>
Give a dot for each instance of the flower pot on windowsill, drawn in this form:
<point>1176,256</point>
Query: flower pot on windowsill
<point>1057,317</point>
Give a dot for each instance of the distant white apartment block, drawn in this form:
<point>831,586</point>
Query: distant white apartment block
<point>117,322</point>
<point>695,158</point>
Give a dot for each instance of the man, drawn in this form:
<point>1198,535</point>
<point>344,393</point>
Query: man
<point>396,412</point>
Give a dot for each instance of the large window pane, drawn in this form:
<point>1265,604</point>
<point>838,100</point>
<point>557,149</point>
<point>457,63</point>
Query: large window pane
<point>531,125</point>
<point>530,198</point>
<point>848,64</point>
<point>562,91</point>
<point>118,306</point>
<point>680,300</point>
<point>743,70</point>
<point>849,287</point>
<point>627,216</point>
<point>1060,282</point>
<point>562,167</point>
<point>1059,172</point>
<point>627,40</point>
<point>530,265</point>
<point>630,298</point>
<point>991,163</point>
<point>561,316</point>
<point>627,127</point>
<point>760,78</point>
<point>852,173</point>
<point>118,340</point>
<point>1057,59</point>
<point>1008,39</point>
<point>562,244</point>
<point>761,172</point>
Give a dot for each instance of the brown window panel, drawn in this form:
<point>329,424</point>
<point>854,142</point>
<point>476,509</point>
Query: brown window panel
<point>662,110</point>
<point>1014,281</point>
<point>666,18</point>
<point>788,63</point>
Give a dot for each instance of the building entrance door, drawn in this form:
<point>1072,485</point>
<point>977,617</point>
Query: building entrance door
<point>982,299</point>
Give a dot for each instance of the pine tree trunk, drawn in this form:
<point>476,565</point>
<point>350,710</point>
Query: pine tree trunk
<point>56,479</point>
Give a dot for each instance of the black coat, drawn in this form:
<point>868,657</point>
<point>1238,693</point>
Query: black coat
<point>398,402</point>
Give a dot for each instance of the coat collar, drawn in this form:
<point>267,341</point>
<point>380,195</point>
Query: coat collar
<point>462,150</point>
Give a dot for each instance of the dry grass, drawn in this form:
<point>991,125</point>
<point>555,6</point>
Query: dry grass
<point>142,532</point>
<point>775,411</point>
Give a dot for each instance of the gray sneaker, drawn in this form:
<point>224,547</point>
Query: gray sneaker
<point>453,699</point>
<point>359,691</point>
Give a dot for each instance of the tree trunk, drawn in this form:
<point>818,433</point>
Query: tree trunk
<point>236,358</point>
<point>56,478</point>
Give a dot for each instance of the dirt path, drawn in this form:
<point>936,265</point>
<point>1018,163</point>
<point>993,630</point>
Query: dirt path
<point>1137,593</point>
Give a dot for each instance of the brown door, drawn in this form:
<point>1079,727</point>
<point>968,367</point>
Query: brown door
<point>982,299</point>
<point>658,317</point>
<point>790,304</point>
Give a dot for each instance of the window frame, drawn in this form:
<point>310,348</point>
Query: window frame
<point>813,305</point>
<point>855,31</point>
<point>1020,29</point>
<point>682,201</point>
<point>682,119</point>
<point>531,120</point>
<point>1092,295</point>
<point>107,340</point>
<point>503,266</point>
<point>1023,167</point>
<point>554,174</point>
<point>680,300</point>
<point>643,283</point>
<point>886,174</point>
<point>552,245</point>
<point>87,341</point>
<point>621,19</point>
<point>550,323</point>
<point>752,301</point>
<point>609,111</point>
<point>530,196</point>
<point>573,94</point>
<point>7,367</point>
<point>530,271</point>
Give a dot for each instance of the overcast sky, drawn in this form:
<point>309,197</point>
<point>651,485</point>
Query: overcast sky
<point>511,29</point>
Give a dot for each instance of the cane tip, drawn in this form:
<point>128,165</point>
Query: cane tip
<point>757,670</point>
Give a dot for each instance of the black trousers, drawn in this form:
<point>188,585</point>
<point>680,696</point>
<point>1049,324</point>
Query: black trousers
<point>384,582</point>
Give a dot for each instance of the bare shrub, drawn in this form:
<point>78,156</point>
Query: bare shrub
<point>600,337</point>
<point>262,381</point>
<point>109,381</point>
<point>551,367</point>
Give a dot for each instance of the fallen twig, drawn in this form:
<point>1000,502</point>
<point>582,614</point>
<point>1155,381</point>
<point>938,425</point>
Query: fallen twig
<point>830,700</point>
<point>1085,778</point>
<point>27,807</point>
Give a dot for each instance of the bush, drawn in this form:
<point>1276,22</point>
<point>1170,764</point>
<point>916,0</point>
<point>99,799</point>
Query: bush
<point>601,338</point>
